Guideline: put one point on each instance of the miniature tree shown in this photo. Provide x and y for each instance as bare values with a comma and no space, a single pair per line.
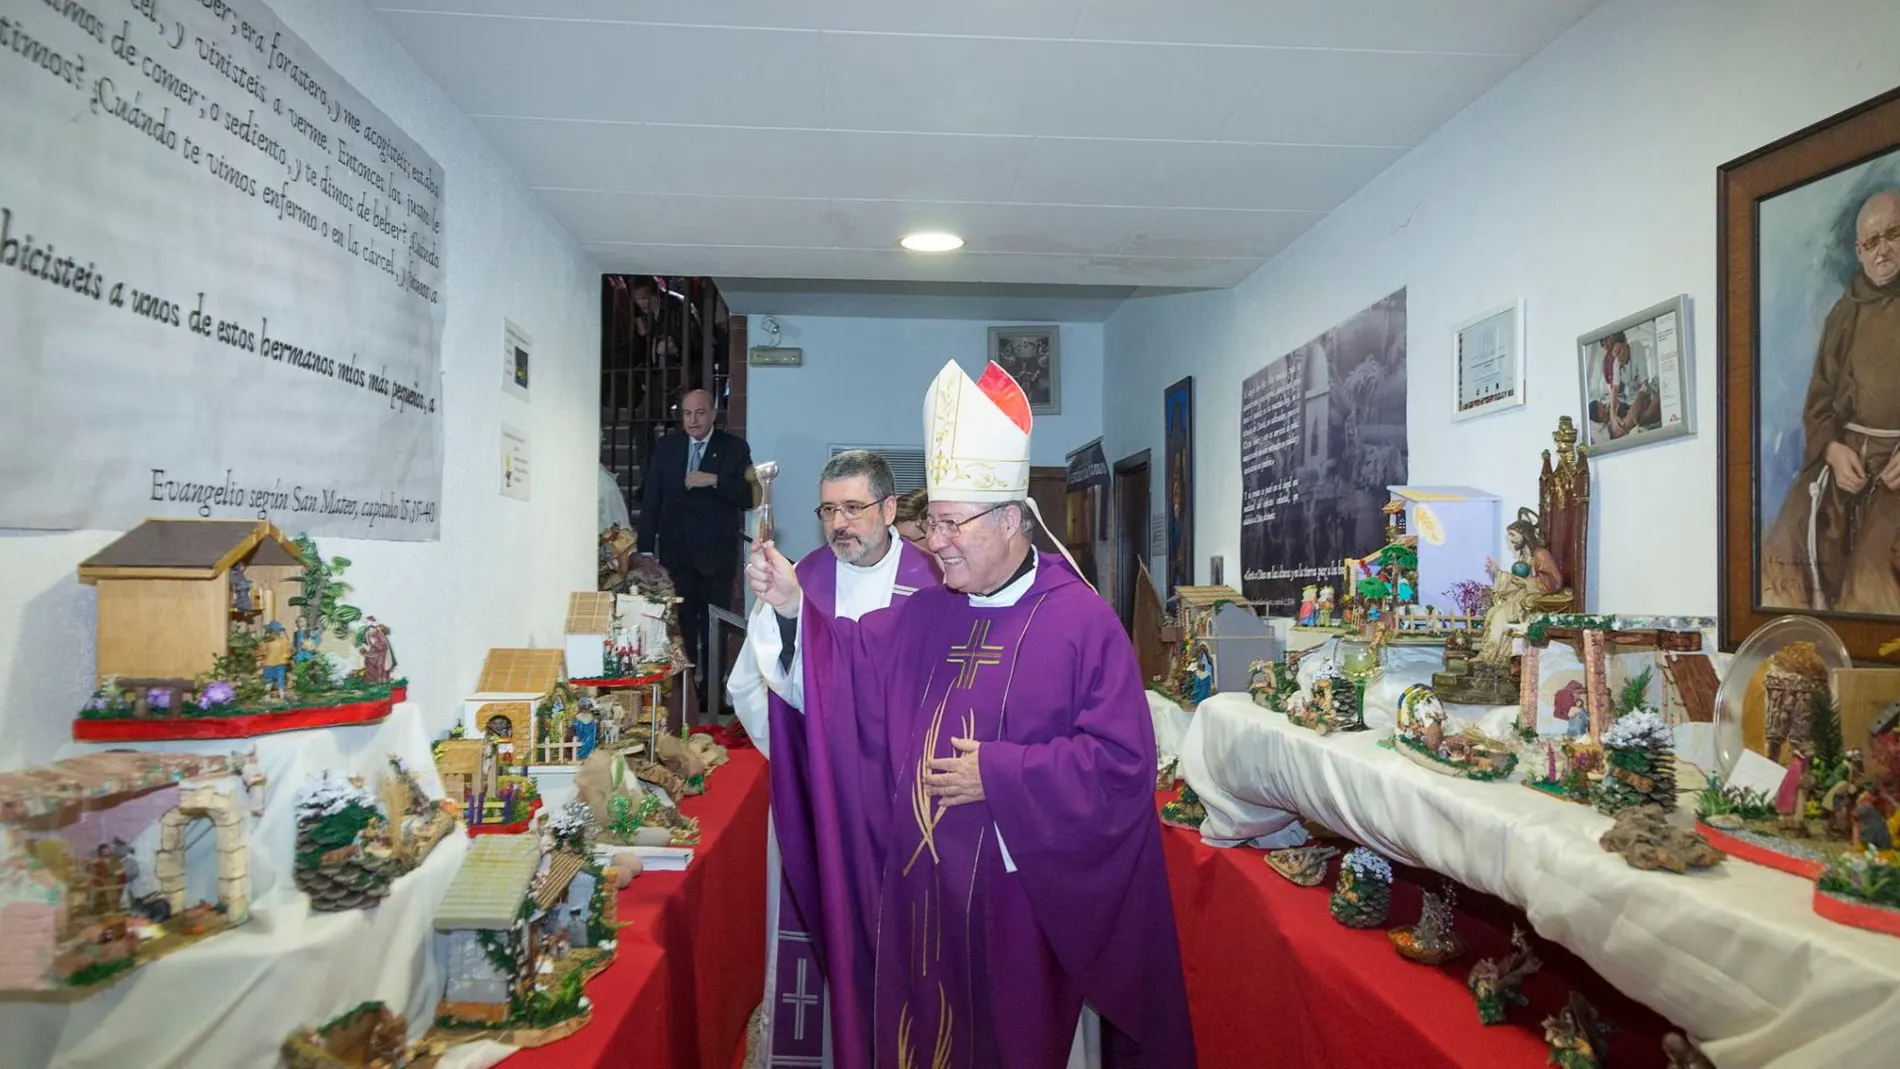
1364,891
323,590
573,829
1825,735
1640,764
1472,598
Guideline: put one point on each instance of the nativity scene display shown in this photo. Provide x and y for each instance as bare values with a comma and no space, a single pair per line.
353,843
528,920
111,860
227,629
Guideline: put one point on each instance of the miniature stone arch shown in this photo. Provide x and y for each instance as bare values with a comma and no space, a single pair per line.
227,824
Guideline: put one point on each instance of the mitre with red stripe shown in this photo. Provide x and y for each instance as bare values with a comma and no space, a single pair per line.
976,437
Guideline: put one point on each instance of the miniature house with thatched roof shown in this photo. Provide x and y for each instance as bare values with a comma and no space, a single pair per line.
512,686
171,590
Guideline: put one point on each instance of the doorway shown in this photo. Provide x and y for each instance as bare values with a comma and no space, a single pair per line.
1131,532
1049,489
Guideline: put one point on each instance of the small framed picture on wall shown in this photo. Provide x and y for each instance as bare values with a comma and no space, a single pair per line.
1487,363
1033,357
1635,377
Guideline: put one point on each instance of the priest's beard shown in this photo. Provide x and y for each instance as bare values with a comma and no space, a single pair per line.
856,551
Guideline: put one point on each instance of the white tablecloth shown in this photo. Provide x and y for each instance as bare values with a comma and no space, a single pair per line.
230,1000
1734,955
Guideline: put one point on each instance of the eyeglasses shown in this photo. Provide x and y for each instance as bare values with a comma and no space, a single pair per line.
953,528
851,510
1891,236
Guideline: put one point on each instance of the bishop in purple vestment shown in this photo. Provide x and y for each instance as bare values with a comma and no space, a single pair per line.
988,857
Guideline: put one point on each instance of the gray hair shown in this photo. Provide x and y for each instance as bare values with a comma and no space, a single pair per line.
1027,518
855,462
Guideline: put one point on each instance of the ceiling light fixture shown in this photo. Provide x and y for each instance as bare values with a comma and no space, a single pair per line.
931,241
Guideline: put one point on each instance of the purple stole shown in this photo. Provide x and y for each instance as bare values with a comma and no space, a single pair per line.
801,792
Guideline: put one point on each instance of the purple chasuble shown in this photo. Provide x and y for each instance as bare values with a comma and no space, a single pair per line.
975,966
804,784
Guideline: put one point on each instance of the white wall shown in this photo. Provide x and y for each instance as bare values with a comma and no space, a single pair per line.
502,570
1585,184
863,383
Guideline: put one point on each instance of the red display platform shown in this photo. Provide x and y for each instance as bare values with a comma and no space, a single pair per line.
691,961
155,728
1273,980
615,682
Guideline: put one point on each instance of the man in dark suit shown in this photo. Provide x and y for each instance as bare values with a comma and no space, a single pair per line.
692,507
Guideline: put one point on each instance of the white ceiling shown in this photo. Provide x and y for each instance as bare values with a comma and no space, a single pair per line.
1106,143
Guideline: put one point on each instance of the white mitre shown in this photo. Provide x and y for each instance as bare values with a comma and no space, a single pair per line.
976,437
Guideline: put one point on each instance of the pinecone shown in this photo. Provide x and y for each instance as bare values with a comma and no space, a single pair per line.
334,884
1640,765
1364,891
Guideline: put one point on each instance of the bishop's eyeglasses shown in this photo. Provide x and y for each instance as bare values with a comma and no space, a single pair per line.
953,528
850,510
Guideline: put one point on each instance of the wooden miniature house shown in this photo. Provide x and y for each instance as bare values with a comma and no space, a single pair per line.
513,684
169,595
466,767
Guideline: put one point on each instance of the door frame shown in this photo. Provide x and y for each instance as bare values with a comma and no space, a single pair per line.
1127,557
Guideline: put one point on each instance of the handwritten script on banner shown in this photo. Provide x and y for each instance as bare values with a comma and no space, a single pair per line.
221,272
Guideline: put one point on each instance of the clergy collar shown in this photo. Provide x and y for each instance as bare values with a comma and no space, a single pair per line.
1011,592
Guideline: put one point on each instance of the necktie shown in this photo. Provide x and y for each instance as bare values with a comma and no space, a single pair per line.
692,461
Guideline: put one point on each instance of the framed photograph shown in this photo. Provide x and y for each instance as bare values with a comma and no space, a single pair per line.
1637,379
1487,363
1033,356
515,347
1177,421
1808,233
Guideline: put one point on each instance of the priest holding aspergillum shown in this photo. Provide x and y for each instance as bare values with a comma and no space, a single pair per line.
980,779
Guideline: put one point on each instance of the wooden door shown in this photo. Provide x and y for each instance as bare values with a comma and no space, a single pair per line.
1131,532
1049,488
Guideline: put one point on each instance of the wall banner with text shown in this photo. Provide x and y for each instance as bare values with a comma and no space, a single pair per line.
1322,435
220,275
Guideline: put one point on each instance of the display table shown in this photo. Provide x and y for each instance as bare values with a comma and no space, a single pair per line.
1734,955
1274,981
691,960
231,1000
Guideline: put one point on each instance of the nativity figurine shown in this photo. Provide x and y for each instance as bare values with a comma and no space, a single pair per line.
1304,866
1430,736
1498,983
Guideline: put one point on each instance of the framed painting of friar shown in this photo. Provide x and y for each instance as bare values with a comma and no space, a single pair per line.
1809,320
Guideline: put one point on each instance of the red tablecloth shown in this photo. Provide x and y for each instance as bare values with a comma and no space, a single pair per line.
691,961
1273,980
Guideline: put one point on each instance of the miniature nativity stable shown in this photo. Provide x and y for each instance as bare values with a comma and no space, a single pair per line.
526,922
213,629
520,701
95,876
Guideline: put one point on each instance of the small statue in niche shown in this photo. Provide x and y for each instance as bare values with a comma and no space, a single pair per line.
1514,591
242,603
1326,606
